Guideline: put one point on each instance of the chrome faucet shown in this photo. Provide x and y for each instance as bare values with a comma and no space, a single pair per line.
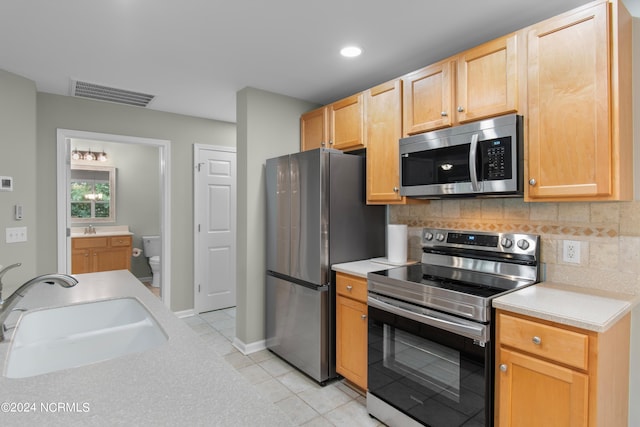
90,229
7,306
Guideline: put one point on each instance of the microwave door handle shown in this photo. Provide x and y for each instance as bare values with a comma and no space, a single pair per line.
473,154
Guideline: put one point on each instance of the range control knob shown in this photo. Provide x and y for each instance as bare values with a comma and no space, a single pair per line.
440,237
523,244
428,236
506,242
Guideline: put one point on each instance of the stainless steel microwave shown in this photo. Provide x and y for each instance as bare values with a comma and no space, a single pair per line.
479,159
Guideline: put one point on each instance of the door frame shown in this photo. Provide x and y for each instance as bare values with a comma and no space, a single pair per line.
196,209
63,160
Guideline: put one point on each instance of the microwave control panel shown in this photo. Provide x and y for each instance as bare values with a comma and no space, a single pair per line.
496,158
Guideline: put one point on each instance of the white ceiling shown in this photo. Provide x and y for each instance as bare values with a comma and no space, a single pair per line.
194,55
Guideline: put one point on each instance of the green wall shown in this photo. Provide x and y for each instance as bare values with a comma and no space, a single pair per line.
268,126
17,157
56,111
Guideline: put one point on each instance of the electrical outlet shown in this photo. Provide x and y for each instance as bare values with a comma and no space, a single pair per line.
16,234
571,251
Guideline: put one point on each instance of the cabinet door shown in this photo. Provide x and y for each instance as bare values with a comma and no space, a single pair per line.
80,261
569,106
487,83
313,129
351,340
383,113
111,259
346,123
533,393
427,97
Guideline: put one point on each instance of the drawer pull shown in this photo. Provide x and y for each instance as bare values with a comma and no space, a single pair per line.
349,287
363,316
503,367
536,340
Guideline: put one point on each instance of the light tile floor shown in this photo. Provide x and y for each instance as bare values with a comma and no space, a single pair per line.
302,399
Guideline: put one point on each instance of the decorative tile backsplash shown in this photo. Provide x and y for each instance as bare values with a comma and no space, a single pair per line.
608,234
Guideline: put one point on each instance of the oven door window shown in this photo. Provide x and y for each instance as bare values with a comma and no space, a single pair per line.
433,376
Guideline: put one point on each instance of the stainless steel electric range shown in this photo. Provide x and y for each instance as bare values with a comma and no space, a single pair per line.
430,331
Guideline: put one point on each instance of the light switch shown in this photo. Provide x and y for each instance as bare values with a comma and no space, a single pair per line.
16,234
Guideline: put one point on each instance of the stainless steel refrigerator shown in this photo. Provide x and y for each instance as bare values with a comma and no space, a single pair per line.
316,217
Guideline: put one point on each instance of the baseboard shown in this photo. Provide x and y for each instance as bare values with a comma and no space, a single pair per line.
185,313
249,348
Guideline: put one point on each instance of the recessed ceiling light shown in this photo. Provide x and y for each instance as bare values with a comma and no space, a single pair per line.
350,51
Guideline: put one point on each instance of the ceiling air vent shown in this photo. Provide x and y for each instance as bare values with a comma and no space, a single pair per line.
106,93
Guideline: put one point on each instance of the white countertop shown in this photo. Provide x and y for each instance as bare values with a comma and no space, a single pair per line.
584,308
182,382
102,230
363,267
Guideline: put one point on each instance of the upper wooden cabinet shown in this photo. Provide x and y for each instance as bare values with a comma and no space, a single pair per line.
478,83
383,112
579,106
339,125
313,129
428,98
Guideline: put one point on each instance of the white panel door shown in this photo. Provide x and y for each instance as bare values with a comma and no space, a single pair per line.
215,219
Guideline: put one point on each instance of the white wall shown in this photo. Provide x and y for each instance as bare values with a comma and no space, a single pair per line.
268,126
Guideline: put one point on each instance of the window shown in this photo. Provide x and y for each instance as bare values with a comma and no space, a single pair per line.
92,194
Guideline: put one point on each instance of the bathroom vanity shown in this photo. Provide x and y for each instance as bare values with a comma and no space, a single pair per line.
101,248
100,253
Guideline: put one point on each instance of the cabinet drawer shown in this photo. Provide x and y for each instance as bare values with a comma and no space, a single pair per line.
554,343
351,286
89,242
117,241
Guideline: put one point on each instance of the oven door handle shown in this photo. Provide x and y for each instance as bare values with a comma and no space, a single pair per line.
473,155
471,330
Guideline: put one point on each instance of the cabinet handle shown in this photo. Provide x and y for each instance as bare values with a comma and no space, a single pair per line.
331,142
396,189
460,109
503,367
363,316
536,340
322,143
532,182
443,114
349,287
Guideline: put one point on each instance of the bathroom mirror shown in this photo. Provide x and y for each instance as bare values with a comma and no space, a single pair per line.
92,193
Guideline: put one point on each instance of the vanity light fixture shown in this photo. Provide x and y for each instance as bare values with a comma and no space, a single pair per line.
350,51
88,155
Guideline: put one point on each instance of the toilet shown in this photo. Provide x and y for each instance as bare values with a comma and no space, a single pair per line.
152,247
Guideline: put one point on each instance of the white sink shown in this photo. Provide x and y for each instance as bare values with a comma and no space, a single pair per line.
53,339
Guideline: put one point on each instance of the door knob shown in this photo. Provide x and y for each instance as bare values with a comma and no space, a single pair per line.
460,109
532,182
363,316
503,367
443,114
536,340
396,189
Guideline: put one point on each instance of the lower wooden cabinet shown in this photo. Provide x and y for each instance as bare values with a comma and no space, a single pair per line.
93,254
351,328
555,375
